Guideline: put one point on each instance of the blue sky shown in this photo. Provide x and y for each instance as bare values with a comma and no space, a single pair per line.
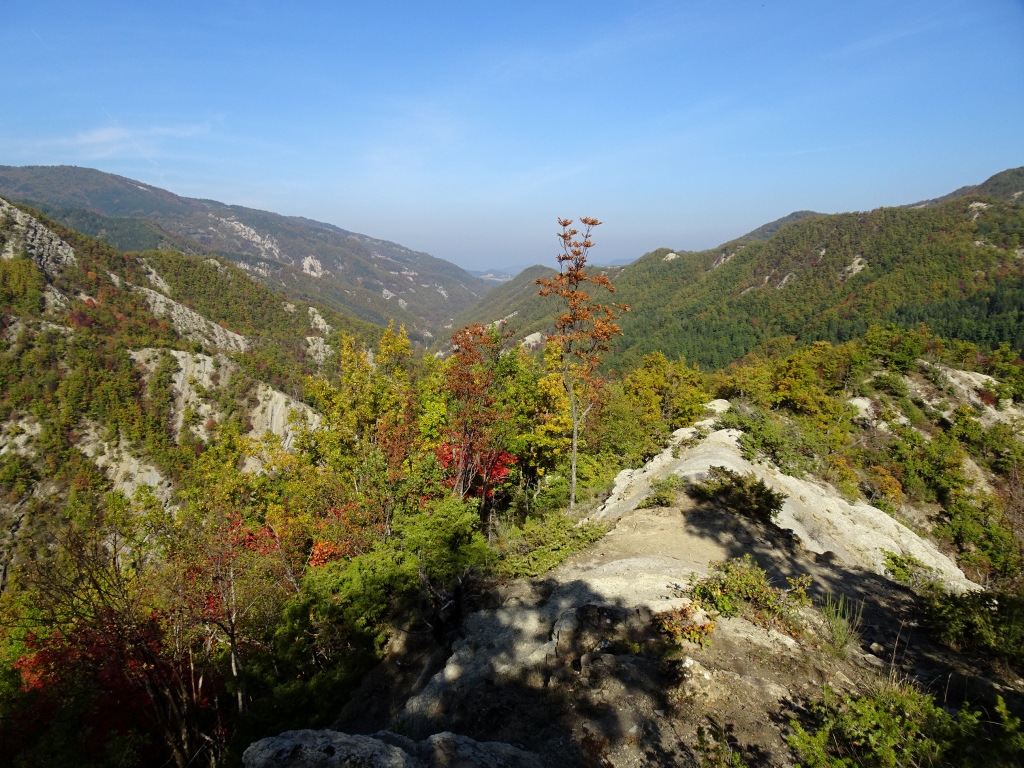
466,129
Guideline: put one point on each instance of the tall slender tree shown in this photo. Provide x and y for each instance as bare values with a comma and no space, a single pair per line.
583,330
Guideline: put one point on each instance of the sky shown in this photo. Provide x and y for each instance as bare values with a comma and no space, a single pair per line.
466,129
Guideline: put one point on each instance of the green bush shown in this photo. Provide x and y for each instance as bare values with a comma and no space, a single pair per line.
740,587
895,725
543,543
745,493
663,492
768,435
891,383
17,475
907,570
990,624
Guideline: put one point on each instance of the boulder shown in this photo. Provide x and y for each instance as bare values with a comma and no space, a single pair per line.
332,749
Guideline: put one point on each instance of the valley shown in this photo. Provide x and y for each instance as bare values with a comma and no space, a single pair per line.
275,493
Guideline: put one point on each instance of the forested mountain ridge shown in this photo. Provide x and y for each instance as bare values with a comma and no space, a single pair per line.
369,278
956,265
123,364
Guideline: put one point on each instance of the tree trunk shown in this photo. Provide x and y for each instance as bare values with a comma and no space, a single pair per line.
575,438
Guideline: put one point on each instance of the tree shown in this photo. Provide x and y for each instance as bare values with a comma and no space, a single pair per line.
582,331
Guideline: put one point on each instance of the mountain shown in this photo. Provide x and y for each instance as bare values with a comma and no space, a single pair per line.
765,231
375,280
956,266
129,361
1007,185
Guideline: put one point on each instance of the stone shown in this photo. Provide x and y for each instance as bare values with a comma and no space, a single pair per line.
333,749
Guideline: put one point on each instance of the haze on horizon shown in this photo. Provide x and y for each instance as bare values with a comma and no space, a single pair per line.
466,129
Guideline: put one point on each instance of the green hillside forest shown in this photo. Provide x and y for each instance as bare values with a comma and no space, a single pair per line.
954,266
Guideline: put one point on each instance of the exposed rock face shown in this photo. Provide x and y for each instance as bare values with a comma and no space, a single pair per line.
198,376
318,349
824,521
49,252
158,282
17,436
331,749
127,472
192,325
967,384
274,414
317,322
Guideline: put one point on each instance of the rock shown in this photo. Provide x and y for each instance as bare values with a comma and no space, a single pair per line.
332,749
871,661
191,325
49,252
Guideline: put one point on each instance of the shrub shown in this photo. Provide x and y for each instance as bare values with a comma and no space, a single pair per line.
715,751
908,570
745,493
767,435
543,543
891,383
894,725
740,586
986,623
678,625
663,492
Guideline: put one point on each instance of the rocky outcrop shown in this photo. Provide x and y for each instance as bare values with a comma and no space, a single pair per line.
193,326
317,322
49,252
193,387
281,415
318,349
331,749
125,471
197,376
823,521
17,436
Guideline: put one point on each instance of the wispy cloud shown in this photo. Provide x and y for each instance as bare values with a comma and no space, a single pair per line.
117,141
881,40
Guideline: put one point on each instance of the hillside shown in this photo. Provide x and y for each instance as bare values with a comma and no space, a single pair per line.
372,279
130,362
956,266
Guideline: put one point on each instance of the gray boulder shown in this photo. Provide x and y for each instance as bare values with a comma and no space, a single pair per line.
331,749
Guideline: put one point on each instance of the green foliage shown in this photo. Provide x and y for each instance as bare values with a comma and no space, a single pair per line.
679,625
740,587
663,492
746,493
715,751
17,474
767,436
893,726
907,569
977,527
989,624
891,383
21,285
841,619
543,543
445,542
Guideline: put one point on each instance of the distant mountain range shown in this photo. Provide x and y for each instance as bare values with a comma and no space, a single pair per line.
371,279
956,264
